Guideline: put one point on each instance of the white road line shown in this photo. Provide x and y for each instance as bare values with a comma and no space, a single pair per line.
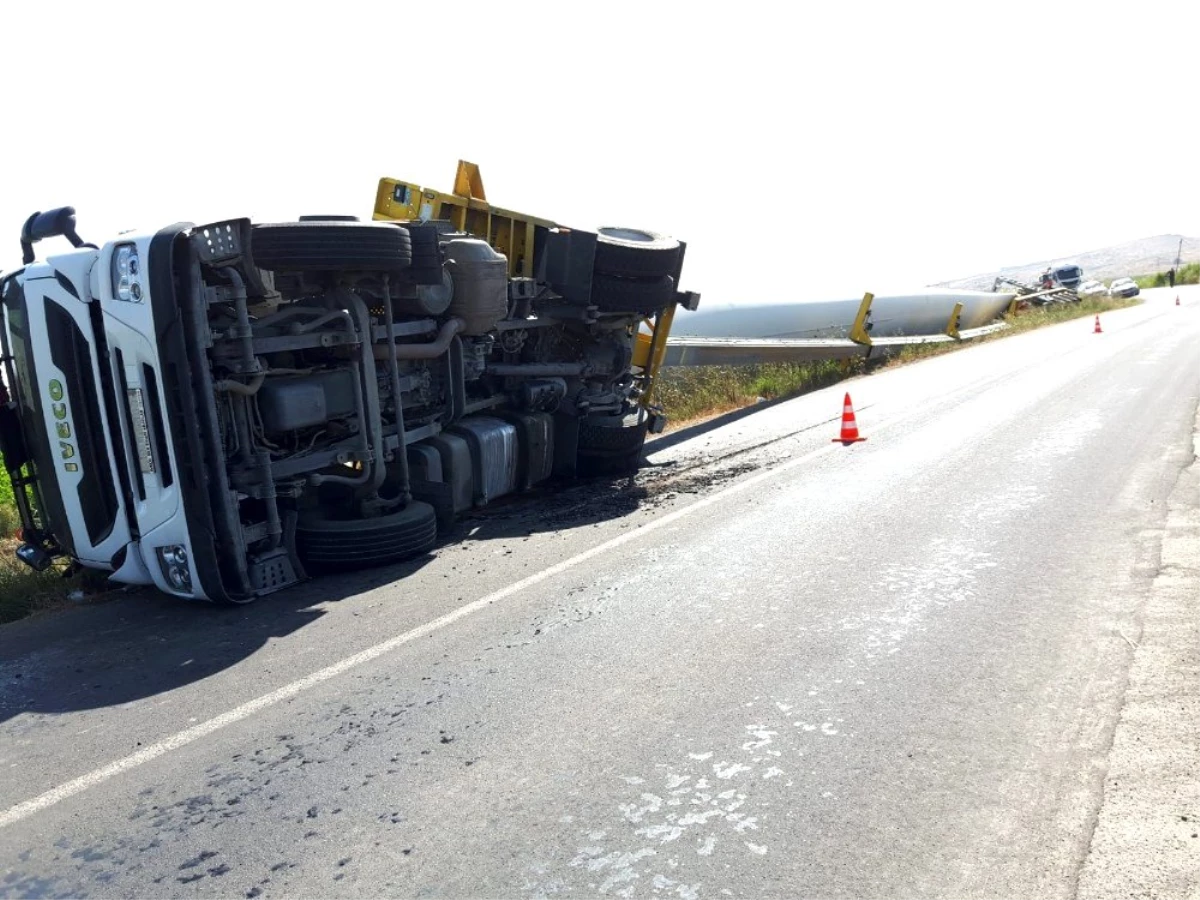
180,739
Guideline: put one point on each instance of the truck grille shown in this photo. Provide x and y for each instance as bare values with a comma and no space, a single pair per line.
72,354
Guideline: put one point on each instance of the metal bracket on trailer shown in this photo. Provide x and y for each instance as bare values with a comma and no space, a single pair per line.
859,331
468,182
952,325
660,331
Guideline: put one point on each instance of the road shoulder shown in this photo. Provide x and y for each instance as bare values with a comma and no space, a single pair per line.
1145,842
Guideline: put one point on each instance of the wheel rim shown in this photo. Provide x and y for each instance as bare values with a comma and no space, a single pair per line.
628,234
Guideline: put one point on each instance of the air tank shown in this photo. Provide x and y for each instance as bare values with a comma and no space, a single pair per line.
480,277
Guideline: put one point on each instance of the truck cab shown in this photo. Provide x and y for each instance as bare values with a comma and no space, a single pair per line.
86,439
1069,276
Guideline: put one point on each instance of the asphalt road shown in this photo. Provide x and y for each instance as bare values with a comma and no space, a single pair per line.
770,665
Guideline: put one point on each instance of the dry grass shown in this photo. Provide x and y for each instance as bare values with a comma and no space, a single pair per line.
24,591
690,394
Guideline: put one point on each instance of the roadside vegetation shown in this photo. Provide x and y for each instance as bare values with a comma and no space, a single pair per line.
688,394
22,590
1189,274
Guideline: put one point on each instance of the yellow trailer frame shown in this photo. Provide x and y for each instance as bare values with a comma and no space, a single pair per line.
511,233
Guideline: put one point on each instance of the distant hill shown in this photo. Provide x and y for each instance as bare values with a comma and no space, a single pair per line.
1142,257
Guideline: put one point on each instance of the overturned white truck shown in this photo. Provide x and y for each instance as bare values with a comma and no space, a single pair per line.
221,410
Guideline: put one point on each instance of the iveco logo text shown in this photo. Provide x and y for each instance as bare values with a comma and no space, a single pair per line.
61,426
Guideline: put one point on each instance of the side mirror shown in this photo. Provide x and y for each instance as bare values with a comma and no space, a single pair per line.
54,223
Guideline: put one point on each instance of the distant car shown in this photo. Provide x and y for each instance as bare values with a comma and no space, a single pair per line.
1091,288
1123,287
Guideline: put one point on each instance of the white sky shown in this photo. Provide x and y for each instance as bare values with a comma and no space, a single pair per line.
803,150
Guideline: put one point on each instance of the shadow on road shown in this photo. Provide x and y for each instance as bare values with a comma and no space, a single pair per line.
679,435
144,643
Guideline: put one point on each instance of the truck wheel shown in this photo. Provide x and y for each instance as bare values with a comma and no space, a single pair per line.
635,253
320,246
325,543
633,295
612,445
426,254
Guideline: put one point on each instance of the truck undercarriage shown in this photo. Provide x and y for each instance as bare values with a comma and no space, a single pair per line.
325,393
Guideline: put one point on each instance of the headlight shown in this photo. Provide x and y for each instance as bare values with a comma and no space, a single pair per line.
173,560
127,274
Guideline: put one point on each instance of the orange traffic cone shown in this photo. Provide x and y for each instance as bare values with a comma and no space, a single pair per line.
849,425
1097,329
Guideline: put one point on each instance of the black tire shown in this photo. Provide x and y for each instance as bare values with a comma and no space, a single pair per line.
329,218
635,253
611,445
325,544
331,246
426,254
636,295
